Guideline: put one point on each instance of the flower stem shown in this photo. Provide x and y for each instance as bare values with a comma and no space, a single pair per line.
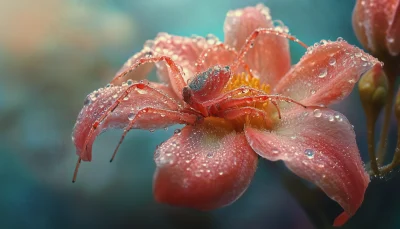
371,143
387,116
396,158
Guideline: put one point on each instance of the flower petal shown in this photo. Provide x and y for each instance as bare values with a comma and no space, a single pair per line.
375,23
141,72
393,36
219,54
269,59
184,51
100,104
326,73
318,146
204,167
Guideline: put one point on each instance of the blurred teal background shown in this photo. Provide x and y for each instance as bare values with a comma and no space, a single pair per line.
53,53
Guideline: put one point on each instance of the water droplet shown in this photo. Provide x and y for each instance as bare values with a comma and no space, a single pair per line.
131,116
87,101
126,98
309,153
317,113
323,73
275,151
313,92
359,54
339,39
210,154
221,173
331,118
157,154
177,131
129,82
323,42
332,61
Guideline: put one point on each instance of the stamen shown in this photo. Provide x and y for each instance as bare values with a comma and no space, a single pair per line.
246,79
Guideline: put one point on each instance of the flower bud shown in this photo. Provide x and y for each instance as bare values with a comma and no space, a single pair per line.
376,24
373,89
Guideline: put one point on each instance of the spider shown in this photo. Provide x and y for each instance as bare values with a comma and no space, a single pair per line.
211,92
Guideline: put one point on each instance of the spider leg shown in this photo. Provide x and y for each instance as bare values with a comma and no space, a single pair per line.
254,35
145,113
119,100
233,93
176,79
237,102
219,54
78,163
168,102
235,113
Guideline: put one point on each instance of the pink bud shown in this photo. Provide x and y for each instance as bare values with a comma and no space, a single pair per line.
377,26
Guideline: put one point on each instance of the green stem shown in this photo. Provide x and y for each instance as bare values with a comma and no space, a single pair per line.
388,113
371,142
396,158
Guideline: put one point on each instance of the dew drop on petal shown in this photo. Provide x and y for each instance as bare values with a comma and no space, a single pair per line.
177,131
87,101
210,154
331,118
275,151
197,174
323,73
332,61
309,153
317,113
157,154
131,116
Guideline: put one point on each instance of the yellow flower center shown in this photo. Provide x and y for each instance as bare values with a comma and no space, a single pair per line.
245,79
254,118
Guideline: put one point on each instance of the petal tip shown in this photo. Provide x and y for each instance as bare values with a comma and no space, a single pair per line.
341,219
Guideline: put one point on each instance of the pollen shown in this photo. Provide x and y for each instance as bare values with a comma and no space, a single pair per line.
246,79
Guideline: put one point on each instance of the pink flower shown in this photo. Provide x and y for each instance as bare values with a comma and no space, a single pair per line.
377,26
239,100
